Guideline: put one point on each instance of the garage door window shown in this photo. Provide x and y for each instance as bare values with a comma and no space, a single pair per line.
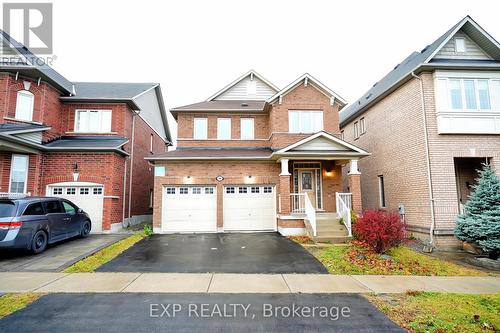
97,190
170,190
229,190
196,190
71,191
183,190
209,190
268,189
84,191
57,191
242,190
255,190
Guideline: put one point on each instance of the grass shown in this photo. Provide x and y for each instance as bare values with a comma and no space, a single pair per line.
355,260
439,313
101,257
10,303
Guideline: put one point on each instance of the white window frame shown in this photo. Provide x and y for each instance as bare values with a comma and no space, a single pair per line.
362,127
457,46
151,143
251,135
25,94
342,135
382,199
219,132
27,158
196,135
356,130
462,94
101,129
300,122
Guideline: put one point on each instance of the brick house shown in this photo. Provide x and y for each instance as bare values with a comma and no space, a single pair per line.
253,157
85,141
430,123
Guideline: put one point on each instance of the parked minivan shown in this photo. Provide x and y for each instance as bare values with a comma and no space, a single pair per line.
31,223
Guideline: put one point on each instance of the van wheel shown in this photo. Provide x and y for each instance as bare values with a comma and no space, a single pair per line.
39,242
85,229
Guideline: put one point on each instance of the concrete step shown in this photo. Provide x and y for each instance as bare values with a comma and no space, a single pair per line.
332,239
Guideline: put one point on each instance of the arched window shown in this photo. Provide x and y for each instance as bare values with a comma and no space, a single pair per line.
24,105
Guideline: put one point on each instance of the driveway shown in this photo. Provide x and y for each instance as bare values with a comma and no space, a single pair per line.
57,256
216,253
154,313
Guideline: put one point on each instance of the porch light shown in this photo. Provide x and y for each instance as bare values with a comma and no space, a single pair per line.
188,179
329,173
76,174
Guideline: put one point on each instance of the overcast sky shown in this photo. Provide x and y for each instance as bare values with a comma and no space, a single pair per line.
194,48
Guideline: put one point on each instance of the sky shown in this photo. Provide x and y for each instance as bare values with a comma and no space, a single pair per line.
195,48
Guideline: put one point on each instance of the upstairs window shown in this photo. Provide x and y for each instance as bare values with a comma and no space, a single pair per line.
224,128
247,128
305,121
93,121
469,94
460,45
342,136
24,105
362,128
200,128
356,130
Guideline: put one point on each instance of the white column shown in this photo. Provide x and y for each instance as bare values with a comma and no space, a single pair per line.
284,167
353,170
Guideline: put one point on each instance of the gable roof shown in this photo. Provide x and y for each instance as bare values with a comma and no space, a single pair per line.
424,60
308,79
250,73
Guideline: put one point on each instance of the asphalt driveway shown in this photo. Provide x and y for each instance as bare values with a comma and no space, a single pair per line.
216,253
57,256
198,313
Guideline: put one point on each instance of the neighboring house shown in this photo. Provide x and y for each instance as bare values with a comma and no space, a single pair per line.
84,141
253,157
430,124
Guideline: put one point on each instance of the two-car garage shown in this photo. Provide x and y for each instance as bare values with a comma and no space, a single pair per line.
193,209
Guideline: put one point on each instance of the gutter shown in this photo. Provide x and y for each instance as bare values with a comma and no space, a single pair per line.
428,161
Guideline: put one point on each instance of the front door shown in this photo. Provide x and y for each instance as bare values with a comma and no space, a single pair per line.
307,185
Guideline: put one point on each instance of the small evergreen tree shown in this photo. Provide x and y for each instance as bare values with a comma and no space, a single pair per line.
480,222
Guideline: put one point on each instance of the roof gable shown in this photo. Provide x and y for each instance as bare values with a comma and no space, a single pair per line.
322,141
308,79
249,86
472,50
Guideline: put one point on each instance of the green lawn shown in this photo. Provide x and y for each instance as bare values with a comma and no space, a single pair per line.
10,303
101,257
354,259
440,313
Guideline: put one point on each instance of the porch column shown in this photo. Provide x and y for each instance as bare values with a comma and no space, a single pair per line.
354,178
284,194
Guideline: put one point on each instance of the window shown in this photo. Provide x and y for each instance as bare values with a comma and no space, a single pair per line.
255,189
18,174
53,207
484,94
84,191
34,209
151,143
97,190
381,191
247,128
243,190
268,189
342,136
362,128
209,190
183,190
69,208
356,130
71,191
170,190
196,190
24,105
305,121
57,191
229,190
455,94
224,128
200,128
459,45
93,121
469,94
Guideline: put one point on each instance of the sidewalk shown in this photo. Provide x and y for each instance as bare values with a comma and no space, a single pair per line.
240,283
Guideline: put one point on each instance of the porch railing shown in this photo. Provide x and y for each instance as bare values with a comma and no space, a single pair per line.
344,206
302,204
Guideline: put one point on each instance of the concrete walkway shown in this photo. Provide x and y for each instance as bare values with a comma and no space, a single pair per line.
239,283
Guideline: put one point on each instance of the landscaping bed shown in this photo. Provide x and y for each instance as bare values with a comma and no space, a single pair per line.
440,313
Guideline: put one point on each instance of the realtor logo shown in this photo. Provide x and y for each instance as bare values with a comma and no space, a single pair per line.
29,24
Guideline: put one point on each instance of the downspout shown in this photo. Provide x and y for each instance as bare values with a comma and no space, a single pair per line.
131,164
124,190
428,161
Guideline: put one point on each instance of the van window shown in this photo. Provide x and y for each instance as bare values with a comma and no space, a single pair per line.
7,208
53,207
69,208
34,209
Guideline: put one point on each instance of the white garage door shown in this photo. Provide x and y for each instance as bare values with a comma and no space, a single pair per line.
249,208
87,196
189,209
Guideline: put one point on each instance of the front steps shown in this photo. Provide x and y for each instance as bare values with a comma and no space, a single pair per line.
328,229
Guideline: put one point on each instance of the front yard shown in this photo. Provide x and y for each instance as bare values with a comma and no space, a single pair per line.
354,259
440,313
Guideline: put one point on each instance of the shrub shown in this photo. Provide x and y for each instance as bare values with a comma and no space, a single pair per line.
148,231
480,222
380,230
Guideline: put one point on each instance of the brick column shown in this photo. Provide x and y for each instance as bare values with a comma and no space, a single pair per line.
354,179
284,188
220,209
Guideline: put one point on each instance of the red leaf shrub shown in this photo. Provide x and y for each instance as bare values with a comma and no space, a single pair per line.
380,230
